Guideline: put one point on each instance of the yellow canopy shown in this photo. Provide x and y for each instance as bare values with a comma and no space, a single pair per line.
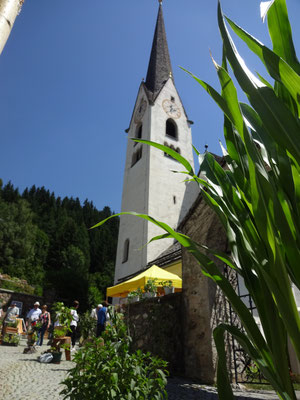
154,272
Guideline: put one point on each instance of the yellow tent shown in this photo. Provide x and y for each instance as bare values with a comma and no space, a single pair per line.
154,272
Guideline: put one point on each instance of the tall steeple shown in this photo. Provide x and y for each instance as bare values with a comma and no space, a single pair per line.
150,185
159,68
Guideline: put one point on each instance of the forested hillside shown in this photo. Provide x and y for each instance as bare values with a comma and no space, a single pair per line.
45,240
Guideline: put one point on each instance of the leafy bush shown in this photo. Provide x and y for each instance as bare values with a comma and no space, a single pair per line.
87,325
16,284
105,369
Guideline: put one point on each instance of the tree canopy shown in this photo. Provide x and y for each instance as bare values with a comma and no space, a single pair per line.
46,240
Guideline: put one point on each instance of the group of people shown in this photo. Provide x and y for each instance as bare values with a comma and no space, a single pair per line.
41,316
100,314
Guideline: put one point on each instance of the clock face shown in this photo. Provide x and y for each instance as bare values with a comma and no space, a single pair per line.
140,110
171,108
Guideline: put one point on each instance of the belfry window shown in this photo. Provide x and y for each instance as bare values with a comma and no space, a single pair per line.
125,251
171,129
138,133
137,155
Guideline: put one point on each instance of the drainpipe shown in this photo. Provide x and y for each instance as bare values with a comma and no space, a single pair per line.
9,9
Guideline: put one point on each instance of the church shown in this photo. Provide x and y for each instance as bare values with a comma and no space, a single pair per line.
152,187
150,184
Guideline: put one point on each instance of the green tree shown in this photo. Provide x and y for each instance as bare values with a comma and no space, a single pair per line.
18,237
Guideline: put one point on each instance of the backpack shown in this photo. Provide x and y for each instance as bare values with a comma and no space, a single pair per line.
46,358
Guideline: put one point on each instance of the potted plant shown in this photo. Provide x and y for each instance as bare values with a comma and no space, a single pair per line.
10,327
10,340
32,333
150,288
168,286
59,343
63,317
135,295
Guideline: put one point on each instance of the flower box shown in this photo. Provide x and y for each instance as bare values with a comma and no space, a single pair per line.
9,344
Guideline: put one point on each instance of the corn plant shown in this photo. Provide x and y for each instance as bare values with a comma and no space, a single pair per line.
257,197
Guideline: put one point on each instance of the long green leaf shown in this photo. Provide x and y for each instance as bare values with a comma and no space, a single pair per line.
276,66
281,33
277,118
252,352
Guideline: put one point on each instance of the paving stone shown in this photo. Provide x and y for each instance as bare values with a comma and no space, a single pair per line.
22,377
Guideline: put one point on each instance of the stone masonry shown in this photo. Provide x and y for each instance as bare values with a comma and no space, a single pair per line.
203,303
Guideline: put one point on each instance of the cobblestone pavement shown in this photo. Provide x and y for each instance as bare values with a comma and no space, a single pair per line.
22,377
183,389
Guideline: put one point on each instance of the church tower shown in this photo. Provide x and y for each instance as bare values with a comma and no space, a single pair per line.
150,186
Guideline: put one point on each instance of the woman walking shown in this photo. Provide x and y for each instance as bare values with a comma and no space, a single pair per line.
45,320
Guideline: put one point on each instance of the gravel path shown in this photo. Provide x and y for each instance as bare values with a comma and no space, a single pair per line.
22,377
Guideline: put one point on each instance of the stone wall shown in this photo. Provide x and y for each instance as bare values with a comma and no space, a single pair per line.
7,296
156,326
203,303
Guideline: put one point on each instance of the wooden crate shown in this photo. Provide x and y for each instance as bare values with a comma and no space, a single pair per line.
9,330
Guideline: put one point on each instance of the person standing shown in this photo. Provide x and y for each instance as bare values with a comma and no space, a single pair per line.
73,325
94,313
45,320
101,319
33,315
12,313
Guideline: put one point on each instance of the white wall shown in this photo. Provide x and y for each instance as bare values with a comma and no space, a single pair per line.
150,186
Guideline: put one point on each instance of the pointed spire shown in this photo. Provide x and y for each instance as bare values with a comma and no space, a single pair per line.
159,68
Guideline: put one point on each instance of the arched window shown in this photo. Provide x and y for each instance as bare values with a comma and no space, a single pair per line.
125,251
171,128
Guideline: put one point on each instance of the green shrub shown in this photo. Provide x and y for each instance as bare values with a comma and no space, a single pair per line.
106,369
87,325
16,285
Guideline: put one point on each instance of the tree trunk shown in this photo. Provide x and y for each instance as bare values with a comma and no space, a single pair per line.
9,10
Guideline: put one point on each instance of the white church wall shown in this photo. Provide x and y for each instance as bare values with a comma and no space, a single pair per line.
167,188
134,198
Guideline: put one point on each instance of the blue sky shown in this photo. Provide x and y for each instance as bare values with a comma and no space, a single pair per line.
69,76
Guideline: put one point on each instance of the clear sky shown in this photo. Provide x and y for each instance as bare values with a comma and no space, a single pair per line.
69,77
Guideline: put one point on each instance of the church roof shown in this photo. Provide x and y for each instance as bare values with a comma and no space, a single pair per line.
159,68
